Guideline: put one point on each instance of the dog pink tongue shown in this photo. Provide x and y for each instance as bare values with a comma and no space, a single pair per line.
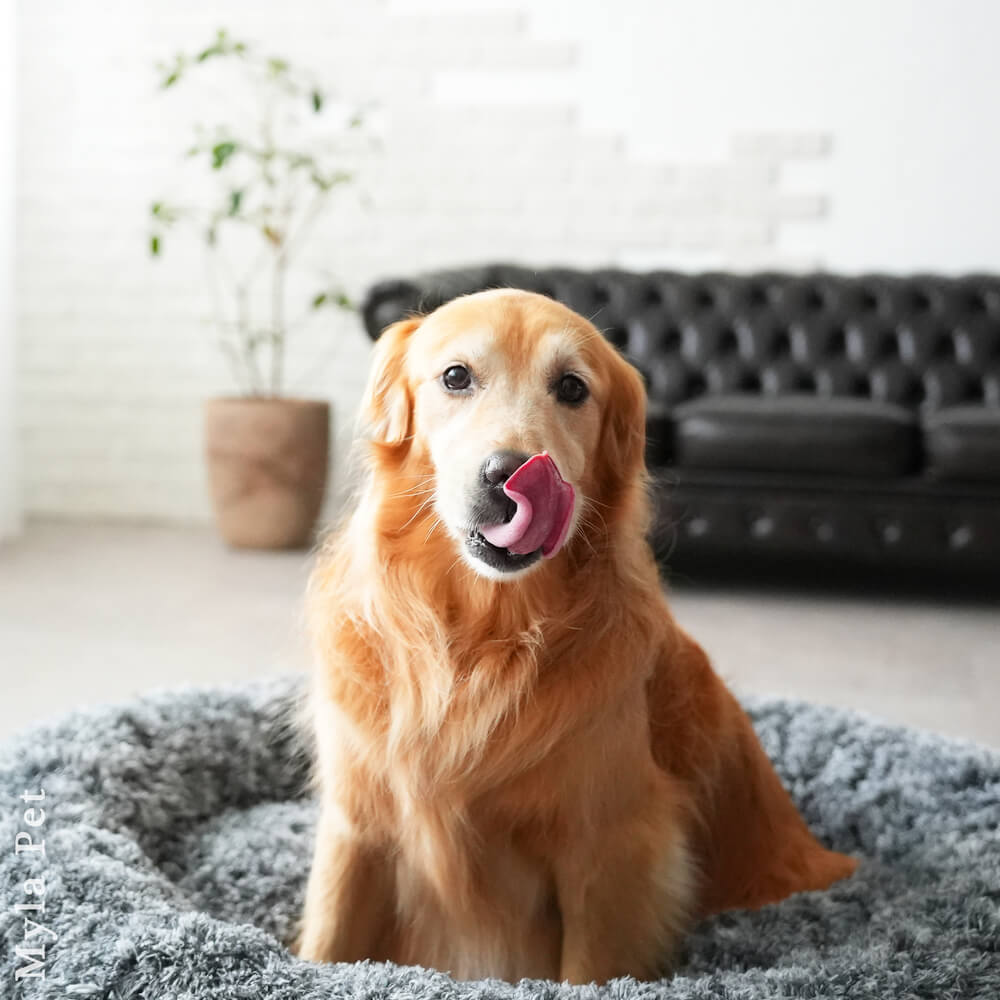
544,509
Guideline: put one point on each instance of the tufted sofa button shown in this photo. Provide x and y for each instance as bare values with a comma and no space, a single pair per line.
697,527
652,297
814,300
836,345
761,525
781,344
868,301
944,347
861,386
890,531
889,346
696,385
600,296
822,529
976,304
960,536
671,340
703,298
618,336
729,341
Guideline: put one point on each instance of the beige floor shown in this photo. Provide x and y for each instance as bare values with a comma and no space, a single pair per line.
95,612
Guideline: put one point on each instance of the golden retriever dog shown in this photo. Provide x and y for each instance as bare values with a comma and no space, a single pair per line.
526,768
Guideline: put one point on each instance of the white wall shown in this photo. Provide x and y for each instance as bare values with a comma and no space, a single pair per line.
719,134
9,487
909,91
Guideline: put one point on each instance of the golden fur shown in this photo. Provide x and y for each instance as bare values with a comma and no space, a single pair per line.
539,776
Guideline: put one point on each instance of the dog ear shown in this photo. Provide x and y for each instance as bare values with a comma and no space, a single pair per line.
387,404
623,435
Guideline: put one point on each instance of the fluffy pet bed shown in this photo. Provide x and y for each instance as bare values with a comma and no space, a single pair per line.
177,842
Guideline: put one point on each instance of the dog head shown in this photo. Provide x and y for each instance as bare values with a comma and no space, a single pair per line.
514,411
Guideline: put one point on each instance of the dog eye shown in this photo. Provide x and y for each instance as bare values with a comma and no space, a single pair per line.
456,378
571,389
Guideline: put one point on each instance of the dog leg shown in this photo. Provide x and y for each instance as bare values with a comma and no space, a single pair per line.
350,900
623,913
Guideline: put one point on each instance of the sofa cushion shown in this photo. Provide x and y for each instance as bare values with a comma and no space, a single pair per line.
796,434
963,442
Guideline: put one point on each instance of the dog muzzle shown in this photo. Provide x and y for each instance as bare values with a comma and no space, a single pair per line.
544,508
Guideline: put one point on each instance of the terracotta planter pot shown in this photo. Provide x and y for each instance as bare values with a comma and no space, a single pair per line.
267,463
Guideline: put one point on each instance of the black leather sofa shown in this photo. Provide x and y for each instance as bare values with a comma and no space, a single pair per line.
819,420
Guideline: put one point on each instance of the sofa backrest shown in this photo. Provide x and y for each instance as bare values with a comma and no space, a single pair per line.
924,341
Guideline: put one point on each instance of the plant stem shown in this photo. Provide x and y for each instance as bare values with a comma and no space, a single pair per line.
229,352
278,320
247,338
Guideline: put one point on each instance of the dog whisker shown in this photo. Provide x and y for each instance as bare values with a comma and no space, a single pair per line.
458,559
436,522
423,506
410,493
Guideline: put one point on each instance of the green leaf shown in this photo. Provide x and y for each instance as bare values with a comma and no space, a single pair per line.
235,199
326,181
156,208
173,71
221,152
355,122
332,298
154,245
317,101
277,66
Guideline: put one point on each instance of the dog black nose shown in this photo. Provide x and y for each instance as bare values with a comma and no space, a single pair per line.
501,465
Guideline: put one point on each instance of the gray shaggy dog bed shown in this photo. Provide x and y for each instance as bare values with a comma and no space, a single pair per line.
177,841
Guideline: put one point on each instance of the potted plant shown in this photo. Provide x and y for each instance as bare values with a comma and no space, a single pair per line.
267,180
